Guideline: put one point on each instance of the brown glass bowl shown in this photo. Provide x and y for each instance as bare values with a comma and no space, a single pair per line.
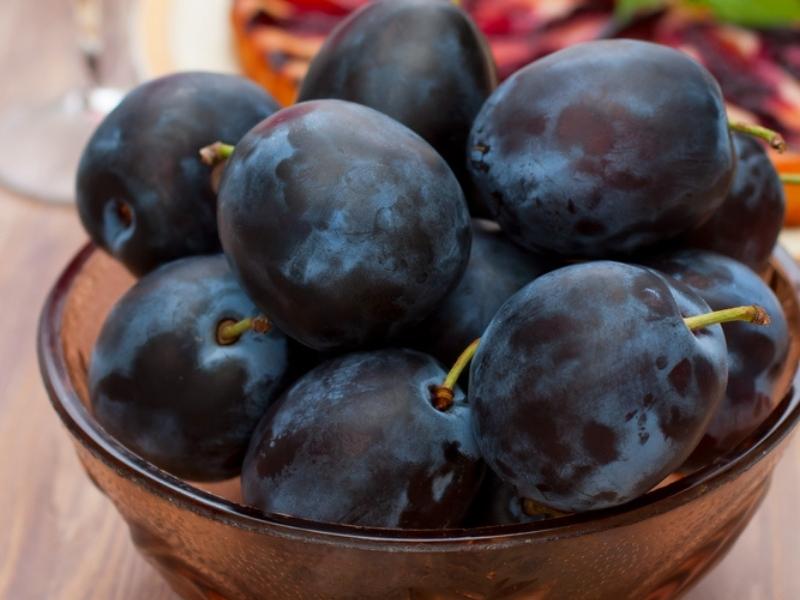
207,545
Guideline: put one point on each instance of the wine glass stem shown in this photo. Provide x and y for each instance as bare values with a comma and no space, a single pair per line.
88,19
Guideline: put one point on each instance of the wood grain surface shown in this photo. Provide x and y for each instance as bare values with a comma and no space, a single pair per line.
59,537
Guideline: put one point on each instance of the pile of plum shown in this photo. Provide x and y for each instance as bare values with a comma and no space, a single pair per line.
305,272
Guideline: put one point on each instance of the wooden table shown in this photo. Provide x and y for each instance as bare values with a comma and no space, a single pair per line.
61,539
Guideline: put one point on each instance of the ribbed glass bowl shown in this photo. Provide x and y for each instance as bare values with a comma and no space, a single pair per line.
208,545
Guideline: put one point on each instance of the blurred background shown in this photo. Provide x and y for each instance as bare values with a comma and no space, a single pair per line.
65,63
95,50
64,81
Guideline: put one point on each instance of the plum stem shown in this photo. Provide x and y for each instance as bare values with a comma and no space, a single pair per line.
773,138
750,314
443,394
124,212
790,178
215,153
229,331
533,508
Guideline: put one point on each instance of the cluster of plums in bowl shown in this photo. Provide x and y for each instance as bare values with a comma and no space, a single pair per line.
309,356
417,299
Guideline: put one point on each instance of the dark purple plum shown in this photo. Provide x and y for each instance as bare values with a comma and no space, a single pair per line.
358,441
162,384
747,225
757,356
343,225
588,388
422,62
143,194
497,268
499,503
595,150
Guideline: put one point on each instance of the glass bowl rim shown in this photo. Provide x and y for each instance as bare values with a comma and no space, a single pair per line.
81,425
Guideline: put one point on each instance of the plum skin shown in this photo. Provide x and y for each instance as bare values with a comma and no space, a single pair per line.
588,388
161,384
747,225
497,268
757,356
593,150
499,503
423,63
358,441
343,225
143,160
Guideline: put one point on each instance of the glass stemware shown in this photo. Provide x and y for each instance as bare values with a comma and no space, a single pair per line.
85,53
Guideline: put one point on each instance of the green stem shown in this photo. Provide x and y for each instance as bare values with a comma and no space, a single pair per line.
773,138
790,178
229,331
750,314
443,394
215,153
